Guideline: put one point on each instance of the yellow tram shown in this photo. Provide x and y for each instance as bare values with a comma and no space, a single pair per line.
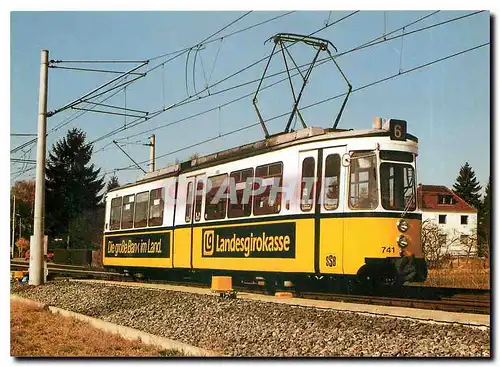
313,203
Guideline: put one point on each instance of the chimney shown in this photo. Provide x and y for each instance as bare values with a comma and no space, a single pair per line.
377,123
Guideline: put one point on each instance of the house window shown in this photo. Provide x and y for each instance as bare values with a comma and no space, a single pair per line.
464,239
442,218
464,219
446,200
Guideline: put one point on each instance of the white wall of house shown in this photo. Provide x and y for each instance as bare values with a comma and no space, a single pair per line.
453,228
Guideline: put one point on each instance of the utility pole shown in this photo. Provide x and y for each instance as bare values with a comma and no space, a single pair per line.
36,266
152,153
13,226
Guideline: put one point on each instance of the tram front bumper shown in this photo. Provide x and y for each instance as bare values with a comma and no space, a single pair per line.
408,268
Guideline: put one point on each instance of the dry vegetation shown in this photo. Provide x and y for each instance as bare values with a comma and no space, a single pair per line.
461,273
448,270
35,332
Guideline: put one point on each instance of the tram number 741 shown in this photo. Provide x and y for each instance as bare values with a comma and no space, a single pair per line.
388,249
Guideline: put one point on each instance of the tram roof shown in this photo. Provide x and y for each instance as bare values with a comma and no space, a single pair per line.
278,141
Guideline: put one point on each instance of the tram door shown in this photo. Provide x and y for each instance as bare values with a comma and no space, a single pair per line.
309,169
193,209
330,210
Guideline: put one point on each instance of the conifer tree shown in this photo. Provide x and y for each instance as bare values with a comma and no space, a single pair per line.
72,185
112,183
467,186
484,227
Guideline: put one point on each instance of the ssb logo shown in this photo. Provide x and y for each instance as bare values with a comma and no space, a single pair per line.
208,243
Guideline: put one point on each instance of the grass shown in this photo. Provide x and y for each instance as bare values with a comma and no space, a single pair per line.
458,278
35,332
460,273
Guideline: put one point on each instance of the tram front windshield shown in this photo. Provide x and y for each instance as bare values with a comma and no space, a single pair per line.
397,181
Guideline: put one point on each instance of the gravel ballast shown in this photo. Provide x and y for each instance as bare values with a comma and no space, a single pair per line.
239,327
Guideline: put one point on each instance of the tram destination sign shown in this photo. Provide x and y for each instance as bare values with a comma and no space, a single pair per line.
153,245
397,129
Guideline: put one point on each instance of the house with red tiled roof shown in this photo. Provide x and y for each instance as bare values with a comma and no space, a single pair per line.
454,216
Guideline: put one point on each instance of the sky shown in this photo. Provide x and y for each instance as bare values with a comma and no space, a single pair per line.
446,104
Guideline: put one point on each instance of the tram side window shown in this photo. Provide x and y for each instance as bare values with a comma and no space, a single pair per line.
240,181
156,204
332,181
197,203
116,213
189,202
268,182
216,198
307,184
141,209
363,191
128,211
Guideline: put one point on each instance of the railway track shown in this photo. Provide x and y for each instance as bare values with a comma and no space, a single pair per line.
73,270
457,303
460,300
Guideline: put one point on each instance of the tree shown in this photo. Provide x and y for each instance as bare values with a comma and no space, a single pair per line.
484,225
72,186
467,186
466,243
434,245
112,183
22,245
24,191
86,229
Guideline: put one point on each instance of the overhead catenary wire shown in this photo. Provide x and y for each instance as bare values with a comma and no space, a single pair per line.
91,70
379,81
370,43
207,41
374,42
97,61
156,113
252,64
66,121
388,39
92,93
18,160
78,113
132,159
178,52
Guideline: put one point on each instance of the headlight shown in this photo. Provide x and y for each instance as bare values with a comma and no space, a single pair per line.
402,241
402,225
